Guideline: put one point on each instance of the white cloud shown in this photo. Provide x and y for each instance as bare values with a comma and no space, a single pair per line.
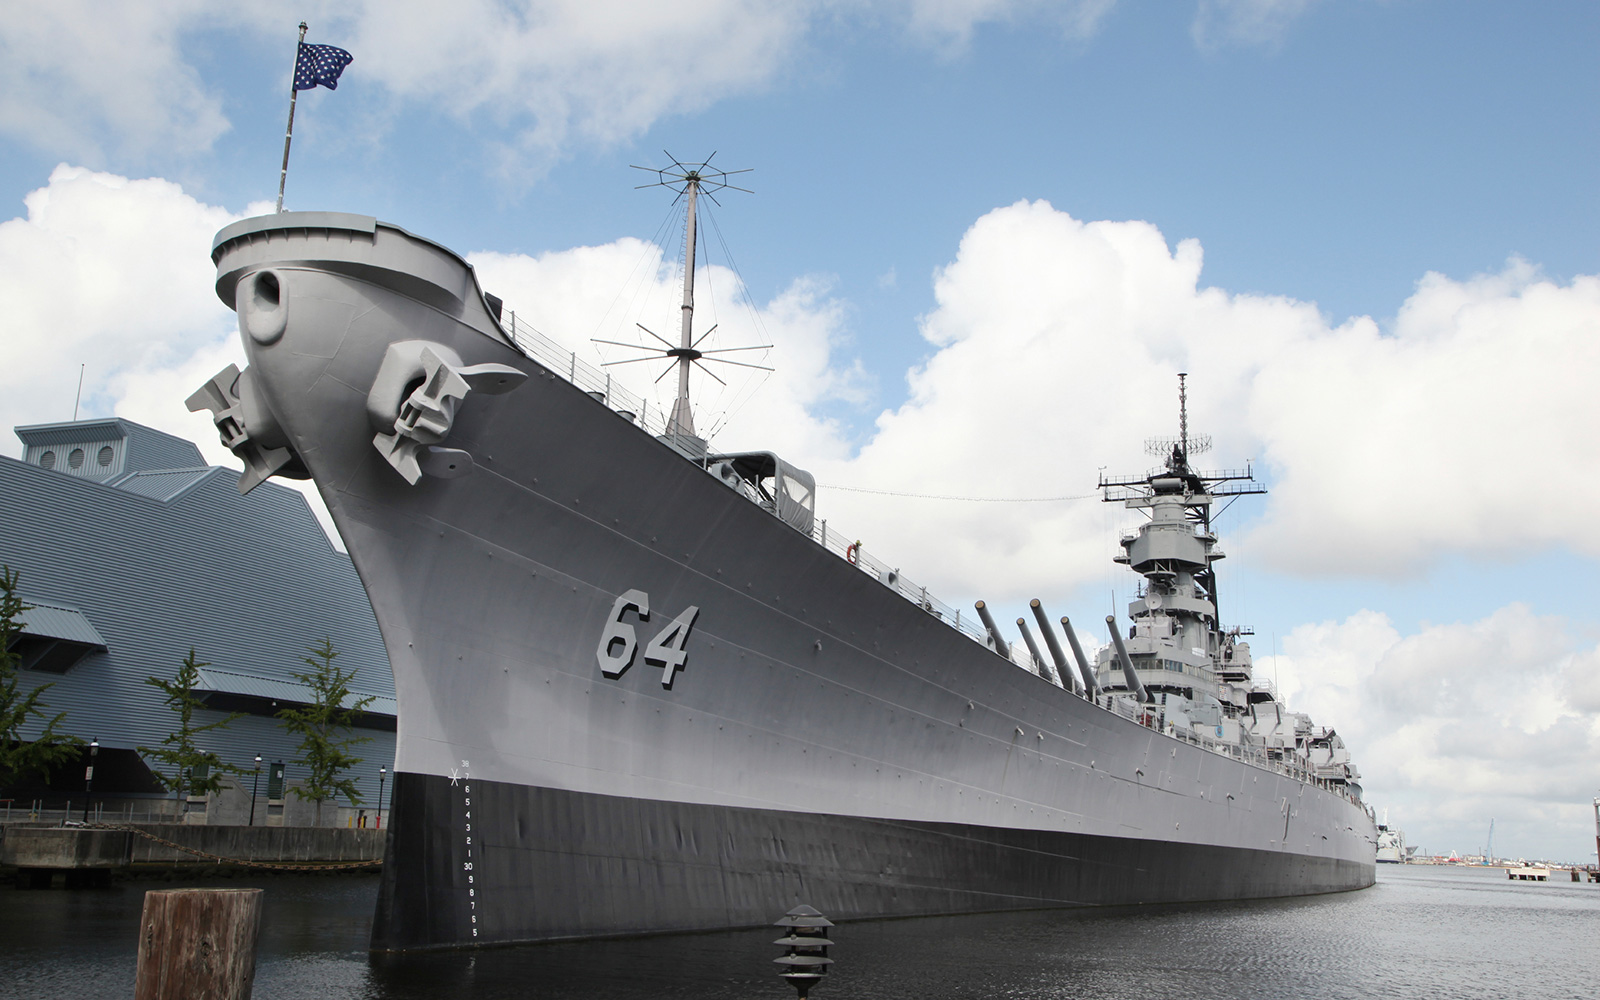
72,71
1460,724
1468,426
91,80
574,70
1055,344
113,274
135,78
1218,23
949,24
75,74
600,71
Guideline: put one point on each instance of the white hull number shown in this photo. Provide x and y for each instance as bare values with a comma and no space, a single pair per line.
619,643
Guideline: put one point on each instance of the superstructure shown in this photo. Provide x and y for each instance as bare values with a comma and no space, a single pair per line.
1178,665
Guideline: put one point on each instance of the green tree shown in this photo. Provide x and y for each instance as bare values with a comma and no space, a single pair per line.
20,756
323,726
193,771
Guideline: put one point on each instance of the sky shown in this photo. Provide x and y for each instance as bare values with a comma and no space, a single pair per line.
984,237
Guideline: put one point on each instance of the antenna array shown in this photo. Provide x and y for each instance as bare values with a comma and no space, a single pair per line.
1184,444
689,180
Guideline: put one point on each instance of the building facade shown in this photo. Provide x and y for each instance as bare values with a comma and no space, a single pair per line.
132,552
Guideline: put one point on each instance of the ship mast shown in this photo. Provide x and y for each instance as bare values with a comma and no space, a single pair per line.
681,423
690,181
1183,413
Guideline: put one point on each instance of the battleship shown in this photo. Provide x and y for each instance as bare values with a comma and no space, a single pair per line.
643,688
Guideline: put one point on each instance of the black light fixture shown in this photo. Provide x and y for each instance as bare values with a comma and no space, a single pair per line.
382,772
255,786
805,959
88,776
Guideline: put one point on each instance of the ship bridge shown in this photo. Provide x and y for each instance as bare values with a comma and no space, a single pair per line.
1175,645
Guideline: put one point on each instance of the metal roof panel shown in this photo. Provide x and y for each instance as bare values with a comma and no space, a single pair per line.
164,484
57,621
293,692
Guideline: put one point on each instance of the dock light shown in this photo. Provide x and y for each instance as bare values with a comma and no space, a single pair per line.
88,776
382,771
255,786
805,959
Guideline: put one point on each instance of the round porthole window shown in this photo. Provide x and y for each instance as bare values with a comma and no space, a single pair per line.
104,458
76,458
47,460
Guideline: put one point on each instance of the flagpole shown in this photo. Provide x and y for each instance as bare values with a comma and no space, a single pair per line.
283,173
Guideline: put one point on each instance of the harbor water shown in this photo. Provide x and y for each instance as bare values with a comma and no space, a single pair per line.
1422,931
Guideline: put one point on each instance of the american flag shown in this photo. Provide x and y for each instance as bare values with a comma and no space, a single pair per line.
320,64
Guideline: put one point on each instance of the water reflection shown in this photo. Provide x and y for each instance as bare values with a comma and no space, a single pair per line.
1421,932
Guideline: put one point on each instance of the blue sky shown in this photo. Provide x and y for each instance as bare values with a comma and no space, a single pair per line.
1424,438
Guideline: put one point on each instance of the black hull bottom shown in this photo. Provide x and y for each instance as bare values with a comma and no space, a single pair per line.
472,862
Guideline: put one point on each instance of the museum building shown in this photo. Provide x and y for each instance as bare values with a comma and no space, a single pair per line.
131,551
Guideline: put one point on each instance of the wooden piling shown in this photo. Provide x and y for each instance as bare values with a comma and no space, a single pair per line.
198,943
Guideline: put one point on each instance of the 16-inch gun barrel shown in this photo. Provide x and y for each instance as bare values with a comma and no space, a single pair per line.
1091,687
1127,664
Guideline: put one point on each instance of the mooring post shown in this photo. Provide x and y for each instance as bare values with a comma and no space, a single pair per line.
198,943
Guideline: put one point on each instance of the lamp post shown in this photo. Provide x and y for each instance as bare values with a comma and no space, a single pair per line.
255,786
88,776
805,960
382,773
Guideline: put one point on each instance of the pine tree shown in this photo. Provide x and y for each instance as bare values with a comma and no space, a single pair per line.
193,771
324,729
19,756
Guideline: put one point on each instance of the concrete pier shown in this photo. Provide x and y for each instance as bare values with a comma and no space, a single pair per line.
88,855
84,856
65,847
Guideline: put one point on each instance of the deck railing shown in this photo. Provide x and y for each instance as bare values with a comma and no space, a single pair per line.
563,362
35,812
891,577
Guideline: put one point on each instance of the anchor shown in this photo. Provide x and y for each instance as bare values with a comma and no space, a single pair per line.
411,429
247,427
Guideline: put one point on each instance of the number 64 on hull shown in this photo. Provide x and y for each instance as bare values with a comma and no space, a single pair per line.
669,647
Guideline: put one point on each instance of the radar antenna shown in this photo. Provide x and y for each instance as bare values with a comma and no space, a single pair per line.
689,180
1177,450
1183,409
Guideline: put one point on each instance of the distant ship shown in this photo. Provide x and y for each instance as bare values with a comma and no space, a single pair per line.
640,688
1392,849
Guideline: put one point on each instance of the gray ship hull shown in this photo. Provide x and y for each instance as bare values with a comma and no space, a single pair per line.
559,864
822,738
